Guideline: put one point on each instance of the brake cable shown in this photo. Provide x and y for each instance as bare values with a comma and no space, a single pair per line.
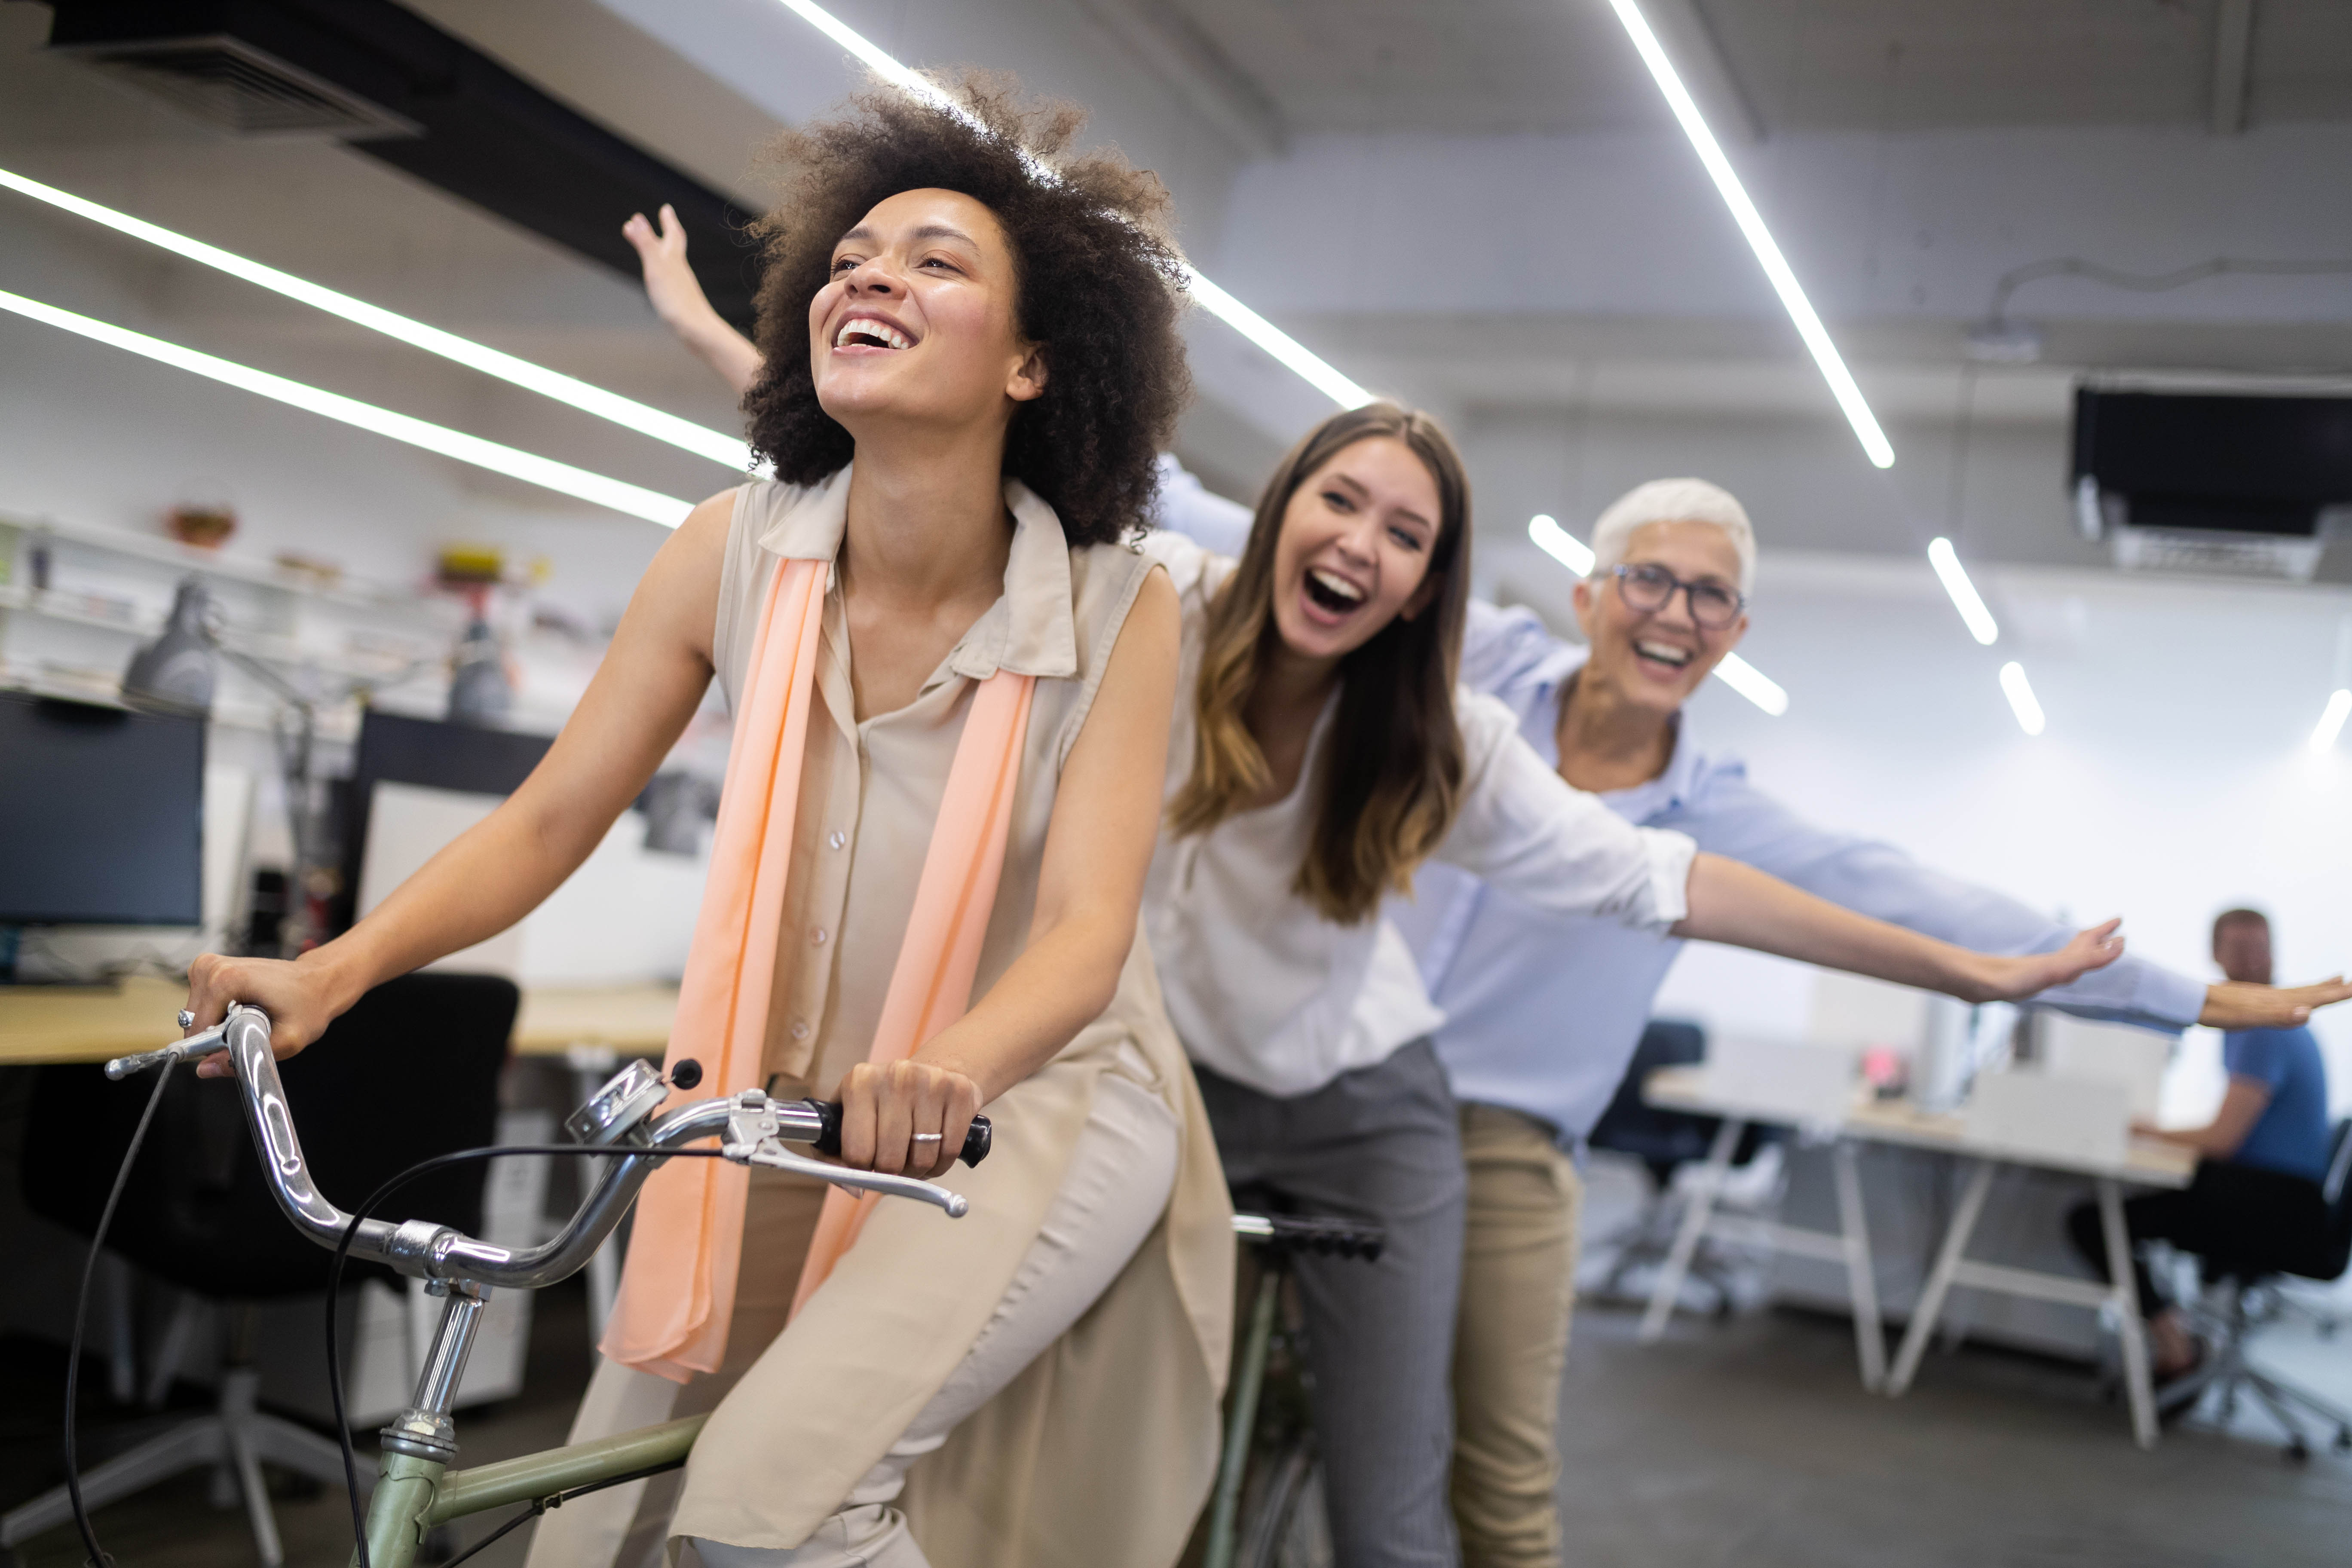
99,1556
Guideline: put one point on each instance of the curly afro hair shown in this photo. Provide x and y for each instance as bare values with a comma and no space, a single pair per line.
1100,286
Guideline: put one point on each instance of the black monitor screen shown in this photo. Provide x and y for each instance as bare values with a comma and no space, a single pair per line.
101,814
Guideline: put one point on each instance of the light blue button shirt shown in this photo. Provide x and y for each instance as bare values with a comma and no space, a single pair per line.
1543,1011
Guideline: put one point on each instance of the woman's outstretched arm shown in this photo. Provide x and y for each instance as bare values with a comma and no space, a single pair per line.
651,681
1729,902
678,298
1089,887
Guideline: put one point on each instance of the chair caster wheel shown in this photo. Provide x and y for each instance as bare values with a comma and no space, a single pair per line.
2298,1452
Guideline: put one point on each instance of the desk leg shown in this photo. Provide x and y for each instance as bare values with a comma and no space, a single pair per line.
1861,1271
591,1066
2128,1328
1940,1281
1669,1288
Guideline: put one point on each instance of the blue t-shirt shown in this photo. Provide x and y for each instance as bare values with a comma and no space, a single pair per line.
2292,1133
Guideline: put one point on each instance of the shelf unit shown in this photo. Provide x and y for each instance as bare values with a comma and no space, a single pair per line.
109,591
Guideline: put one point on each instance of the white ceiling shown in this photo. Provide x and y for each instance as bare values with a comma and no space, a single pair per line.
1480,205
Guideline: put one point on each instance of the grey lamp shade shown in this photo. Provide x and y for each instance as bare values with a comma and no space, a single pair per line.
174,673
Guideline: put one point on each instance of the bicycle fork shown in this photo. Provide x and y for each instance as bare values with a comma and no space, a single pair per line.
1243,1419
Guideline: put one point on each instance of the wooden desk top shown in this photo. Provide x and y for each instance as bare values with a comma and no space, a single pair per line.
2151,1161
78,1024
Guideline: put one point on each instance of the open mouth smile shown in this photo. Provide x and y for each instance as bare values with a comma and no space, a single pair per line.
871,335
1672,657
1332,594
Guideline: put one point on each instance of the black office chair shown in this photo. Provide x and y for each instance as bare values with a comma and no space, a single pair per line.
2244,1295
1664,1141
409,1072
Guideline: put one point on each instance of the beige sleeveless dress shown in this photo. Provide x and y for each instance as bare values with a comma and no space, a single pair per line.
1102,1451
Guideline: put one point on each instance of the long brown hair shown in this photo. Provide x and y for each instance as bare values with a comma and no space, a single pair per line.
1391,775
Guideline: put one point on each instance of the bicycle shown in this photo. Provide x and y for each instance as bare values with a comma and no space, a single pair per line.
414,1491
1267,1508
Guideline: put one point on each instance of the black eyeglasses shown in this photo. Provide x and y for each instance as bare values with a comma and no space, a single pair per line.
1653,588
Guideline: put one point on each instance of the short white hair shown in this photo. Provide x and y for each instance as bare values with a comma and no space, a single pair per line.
1674,501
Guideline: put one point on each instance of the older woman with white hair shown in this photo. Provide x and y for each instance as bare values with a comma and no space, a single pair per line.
1543,1011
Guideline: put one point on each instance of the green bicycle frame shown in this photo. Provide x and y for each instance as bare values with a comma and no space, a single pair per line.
413,1495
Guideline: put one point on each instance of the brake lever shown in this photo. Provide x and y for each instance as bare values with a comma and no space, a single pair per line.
212,1042
750,1140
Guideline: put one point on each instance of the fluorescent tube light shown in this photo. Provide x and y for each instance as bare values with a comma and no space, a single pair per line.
702,441
2331,721
1946,562
2021,698
1733,670
1760,238
667,511
1560,545
1753,684
1292,355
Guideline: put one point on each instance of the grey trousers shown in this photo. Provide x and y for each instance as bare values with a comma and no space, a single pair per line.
1382,1145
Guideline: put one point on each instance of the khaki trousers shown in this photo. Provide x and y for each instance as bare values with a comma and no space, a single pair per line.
1518,1289
1111,1198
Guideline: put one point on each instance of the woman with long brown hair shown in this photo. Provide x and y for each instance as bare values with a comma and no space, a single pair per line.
1322,753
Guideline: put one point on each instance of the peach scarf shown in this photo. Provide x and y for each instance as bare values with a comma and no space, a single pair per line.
678,1288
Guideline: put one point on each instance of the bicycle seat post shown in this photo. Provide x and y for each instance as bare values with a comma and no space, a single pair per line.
422,1441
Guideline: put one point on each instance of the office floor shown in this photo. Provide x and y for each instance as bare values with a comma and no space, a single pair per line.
1745,1442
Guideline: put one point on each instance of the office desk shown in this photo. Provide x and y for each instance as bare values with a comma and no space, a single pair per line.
90,1024
2148,1162
593,1027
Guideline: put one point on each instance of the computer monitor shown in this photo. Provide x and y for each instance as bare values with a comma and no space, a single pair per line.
101,814
396,749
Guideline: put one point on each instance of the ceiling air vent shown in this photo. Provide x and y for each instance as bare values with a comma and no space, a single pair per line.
230,84
2235,484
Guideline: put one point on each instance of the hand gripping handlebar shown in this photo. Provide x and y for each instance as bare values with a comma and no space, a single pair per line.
751,1127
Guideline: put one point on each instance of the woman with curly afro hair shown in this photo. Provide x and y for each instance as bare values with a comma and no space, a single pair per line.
953,678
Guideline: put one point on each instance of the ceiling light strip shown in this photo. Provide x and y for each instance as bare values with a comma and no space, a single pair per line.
1760,238
717,445
1965,599
2013,684
667,511
1732,669
2331,721
1290,352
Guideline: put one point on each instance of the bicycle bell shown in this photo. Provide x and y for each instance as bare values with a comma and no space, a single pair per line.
627,1099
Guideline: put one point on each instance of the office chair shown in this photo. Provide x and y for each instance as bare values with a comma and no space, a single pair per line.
409,1072
2245,1294
1667,1143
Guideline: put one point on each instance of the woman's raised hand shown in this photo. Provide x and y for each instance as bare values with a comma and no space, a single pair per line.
300,997
2236,1004
670,285
678,298
908,1118
2012,979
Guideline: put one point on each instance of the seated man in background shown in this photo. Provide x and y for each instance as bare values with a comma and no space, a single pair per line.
2261,1159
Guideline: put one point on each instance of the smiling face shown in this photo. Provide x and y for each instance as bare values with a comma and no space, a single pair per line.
1354,550
919,322
1656,658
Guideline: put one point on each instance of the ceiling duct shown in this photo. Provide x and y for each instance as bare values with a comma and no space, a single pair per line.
402,91
2226,484
230,85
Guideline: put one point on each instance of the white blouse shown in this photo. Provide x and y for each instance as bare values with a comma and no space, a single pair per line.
1262,987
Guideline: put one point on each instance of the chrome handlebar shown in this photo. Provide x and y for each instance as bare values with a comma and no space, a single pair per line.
751,1128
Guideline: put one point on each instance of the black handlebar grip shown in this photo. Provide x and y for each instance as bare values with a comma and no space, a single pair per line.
976,1139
